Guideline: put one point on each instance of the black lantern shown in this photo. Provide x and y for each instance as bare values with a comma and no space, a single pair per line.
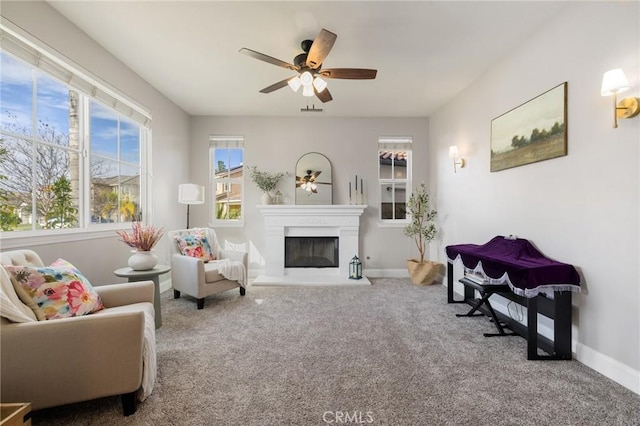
355,269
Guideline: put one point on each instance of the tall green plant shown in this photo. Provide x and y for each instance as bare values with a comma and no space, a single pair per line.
62,214
422,228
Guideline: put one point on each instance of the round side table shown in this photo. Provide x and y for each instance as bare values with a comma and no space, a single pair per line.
151,274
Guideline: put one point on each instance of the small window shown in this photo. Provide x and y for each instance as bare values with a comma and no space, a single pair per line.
394,176
226,164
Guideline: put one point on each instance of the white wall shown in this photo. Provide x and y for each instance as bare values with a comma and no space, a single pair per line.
351,145
97,258
581,209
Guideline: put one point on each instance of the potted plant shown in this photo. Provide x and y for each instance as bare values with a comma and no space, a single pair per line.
142,238
266,182
422,229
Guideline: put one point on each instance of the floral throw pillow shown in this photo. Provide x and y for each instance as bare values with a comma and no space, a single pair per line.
195,244
59,291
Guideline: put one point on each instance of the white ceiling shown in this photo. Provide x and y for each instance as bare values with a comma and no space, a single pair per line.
425,52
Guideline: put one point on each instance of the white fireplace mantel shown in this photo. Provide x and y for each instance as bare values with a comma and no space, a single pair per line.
280,221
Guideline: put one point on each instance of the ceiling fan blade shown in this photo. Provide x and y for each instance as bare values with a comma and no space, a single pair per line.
269,59
324,96
320,48
314,176
349,73
276,86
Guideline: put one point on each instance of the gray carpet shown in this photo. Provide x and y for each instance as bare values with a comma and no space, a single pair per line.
387,354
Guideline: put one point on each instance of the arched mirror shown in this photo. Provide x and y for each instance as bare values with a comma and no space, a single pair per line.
313,180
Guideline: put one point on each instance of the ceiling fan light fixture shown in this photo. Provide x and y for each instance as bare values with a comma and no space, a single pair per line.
306,78
295,83
319,84
307,90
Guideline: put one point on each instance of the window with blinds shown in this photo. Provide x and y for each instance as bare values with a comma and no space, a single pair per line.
226,154
72,149
394,177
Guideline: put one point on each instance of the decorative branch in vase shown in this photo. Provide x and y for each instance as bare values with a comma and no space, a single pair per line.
142,239
422,229
266,182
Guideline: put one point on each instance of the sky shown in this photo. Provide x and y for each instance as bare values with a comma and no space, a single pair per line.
52,107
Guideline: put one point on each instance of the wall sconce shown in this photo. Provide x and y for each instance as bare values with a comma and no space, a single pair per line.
614,82
453,153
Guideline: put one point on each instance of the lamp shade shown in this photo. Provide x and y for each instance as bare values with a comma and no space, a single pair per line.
307,90
319,84
295,83
190,193
453,151
614,81
306,78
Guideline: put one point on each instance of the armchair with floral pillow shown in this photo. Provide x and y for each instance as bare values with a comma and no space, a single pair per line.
200,267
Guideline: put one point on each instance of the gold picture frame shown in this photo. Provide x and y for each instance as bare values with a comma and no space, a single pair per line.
532,132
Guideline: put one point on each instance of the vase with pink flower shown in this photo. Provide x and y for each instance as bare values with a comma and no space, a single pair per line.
142,239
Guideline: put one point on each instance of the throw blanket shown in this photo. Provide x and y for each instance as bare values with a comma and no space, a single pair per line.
518,263
232,270
11,307
149,362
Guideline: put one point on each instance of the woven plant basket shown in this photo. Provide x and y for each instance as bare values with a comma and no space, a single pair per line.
423,273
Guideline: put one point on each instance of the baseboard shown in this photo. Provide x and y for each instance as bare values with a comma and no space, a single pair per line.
165,285
609,367
386,273
371,273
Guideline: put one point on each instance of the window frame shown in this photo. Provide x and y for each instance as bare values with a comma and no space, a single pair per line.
395,143
41,59
225,142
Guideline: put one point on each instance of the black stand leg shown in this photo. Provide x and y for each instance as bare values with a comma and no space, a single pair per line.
475,307
129,403
562,324
485,300
498,324
450,286
532,328
561,349
200,303
176,294
243,291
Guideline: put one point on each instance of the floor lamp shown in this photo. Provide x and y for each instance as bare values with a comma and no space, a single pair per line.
190,193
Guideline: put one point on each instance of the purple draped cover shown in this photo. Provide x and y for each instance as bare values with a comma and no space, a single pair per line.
517,262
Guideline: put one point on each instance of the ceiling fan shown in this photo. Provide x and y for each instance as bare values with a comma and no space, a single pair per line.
308,65
308,182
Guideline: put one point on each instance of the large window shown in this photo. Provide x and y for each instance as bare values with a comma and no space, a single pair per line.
67,160
226,154
394,176
115,166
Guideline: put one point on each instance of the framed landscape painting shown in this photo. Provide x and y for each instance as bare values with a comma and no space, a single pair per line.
531,132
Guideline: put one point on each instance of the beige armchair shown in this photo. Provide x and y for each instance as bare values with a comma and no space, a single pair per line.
61,361
199,279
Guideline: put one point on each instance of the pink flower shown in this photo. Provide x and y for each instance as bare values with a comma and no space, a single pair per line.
79,299
197,252
54,291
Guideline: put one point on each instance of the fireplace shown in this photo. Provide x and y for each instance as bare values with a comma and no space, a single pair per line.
321,241
311,252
